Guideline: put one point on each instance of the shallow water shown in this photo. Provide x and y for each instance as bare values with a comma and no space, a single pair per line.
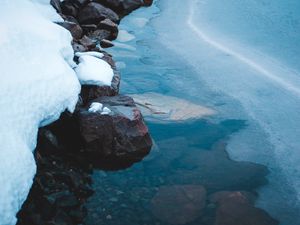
200,56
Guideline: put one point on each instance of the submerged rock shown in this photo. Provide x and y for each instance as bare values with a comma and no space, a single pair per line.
236,208
179,204
159,108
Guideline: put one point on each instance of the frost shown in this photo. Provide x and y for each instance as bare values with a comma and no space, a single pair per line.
37,84
94,71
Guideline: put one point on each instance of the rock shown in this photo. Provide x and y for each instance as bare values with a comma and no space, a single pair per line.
99,35
179,204
95,12
216,171
74,28
69,8
235,208
106,43
121,136
87,42
91,92
79,47
122,7
161,108
109,25
148,2
56,5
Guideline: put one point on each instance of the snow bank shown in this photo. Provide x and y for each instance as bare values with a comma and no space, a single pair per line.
94,71
37,84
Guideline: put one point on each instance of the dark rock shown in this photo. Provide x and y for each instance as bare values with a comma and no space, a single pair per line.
74,28
179,204
87,42
148,2
87,28
79,47
56,5
107,24
106,43
95,12
98,35
69,8
235,208
125,138
122,7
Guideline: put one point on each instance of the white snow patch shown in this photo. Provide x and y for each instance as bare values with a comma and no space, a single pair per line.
124,36
37,84
91,53
96,107
106,111
94,71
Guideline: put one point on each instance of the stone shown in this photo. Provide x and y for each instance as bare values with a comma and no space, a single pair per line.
106,43
148,2
56,5
121,136
69,8
162,108
122,7
179,204
87,42
235,208
95,12
109,25
74,28
100,34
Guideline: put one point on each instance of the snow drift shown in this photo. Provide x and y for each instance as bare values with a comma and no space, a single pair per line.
37,84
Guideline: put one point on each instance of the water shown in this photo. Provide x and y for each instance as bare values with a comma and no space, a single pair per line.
238,58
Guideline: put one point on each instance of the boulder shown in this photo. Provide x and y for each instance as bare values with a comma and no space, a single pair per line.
91,92
122,7
236,208
179,204
95,12
116,134
74,28
106,43
70,8
56,5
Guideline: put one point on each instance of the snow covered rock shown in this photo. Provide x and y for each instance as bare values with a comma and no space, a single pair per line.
93,71
37,84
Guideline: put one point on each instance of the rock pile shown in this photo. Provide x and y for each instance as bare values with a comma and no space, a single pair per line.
106,130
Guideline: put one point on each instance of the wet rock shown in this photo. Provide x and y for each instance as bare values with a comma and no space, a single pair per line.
109,25
235,208
95,12
118,136
70,8
106,43
148,2
216,171
163,108
179,204
99,35
87,42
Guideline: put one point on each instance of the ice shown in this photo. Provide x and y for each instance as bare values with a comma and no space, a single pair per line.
249,52
37,84
94,71
106,111
124,36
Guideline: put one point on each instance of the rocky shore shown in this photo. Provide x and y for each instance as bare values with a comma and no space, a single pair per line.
106,130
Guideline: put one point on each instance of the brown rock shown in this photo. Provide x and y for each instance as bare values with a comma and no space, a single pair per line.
87,42
148,2
95,12
235,208
74,28
179,204
120,136
106,43
56,5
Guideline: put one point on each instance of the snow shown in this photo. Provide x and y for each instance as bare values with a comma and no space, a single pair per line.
106,111
37,84
91,53
94,71
96,107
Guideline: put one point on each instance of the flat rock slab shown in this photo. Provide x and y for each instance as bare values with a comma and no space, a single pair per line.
163,108
179,204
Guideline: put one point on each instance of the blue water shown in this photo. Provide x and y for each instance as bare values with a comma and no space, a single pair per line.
239,58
